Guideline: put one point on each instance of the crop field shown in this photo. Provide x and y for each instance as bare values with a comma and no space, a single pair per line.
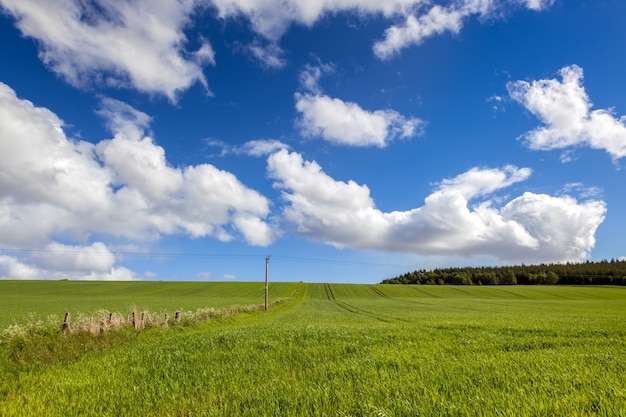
348,350
24,301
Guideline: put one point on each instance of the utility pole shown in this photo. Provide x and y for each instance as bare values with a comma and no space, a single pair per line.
267,261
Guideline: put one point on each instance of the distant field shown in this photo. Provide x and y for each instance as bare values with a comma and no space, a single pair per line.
22,301
357,350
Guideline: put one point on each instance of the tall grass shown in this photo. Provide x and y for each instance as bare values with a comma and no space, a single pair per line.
341,350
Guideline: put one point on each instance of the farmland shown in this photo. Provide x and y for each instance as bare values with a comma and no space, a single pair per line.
23,301
352,350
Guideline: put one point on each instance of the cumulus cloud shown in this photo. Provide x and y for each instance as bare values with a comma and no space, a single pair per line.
271,18
123,187
59,257
13,268
458,218
565,109
135,160
140,44
347,123
440,19
59,261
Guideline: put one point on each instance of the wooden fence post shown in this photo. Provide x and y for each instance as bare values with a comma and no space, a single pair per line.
66,328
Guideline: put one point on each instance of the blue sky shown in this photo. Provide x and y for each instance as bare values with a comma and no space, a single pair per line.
351,140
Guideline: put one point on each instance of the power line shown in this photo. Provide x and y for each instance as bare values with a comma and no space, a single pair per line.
130,253
198,255
337,261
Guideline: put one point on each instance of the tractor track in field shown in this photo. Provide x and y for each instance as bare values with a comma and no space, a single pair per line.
361,311
377,291
329,292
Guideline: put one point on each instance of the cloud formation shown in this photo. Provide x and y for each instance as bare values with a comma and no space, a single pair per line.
256,147
459,218
272,18
269,56
347,123
59,261
565,109
441,19
54,187
140,44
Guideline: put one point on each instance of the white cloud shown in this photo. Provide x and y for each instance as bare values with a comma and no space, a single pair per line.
271,18
58,261
52,186
58,257
142,44
310,76
256,147
45,179
441,19
582,190
347,123
204,276
459,218
13,268
121,43
415,29
136,160
497,102
538,4
565,109
261,147
270,56
115,274
564,228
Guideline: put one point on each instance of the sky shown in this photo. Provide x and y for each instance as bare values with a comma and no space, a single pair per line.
331,140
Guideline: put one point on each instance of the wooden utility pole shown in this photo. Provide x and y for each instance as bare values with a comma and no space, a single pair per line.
267,261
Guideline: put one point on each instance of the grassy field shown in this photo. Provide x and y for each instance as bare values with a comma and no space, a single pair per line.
24,301
353,350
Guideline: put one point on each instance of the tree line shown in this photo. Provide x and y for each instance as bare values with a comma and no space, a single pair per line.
604,272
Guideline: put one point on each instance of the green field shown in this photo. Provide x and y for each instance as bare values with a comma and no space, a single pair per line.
349,350
24,301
